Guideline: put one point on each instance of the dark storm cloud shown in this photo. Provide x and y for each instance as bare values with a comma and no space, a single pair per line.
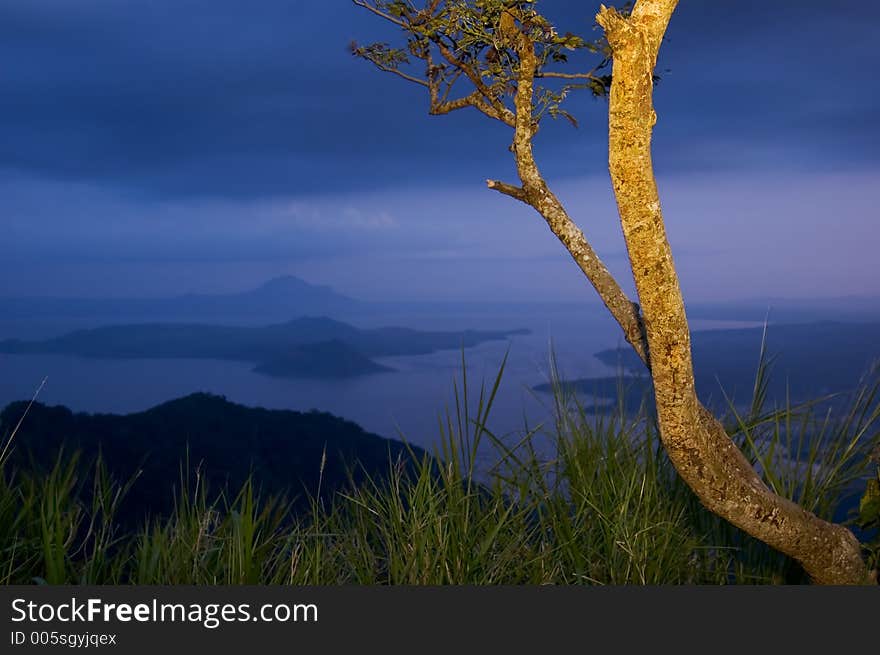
795,77
252,99
197,97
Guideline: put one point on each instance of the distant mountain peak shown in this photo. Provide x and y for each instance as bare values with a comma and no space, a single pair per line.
277,297
290,285
290,282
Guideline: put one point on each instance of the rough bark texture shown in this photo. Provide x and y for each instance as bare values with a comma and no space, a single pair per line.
697,443
535,192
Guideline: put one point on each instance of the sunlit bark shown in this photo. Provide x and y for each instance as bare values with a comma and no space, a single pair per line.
697,444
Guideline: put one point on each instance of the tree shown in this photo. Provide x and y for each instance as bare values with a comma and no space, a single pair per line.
506,53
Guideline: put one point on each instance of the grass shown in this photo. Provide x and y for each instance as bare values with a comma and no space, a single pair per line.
606,508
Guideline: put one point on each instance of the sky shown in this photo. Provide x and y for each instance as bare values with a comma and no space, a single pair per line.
163,146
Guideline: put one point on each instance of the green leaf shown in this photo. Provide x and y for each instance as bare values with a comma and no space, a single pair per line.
869,506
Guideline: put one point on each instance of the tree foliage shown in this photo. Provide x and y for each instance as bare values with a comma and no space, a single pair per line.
453,44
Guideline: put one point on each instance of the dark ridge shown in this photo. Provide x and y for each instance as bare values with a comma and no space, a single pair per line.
223,440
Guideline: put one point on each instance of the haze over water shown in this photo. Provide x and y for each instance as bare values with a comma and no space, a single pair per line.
409,399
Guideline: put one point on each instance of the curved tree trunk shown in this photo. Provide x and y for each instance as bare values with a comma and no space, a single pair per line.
699,447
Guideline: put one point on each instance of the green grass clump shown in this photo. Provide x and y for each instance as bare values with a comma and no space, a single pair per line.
591,499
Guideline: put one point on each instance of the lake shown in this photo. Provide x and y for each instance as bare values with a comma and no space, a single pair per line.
408,401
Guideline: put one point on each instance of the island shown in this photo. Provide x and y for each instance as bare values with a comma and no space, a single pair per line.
807,361
312,347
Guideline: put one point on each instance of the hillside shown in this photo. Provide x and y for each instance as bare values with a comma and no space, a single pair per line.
224,440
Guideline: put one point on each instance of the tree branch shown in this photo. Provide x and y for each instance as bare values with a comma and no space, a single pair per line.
452,105
449,86
538,195
398,72
501,112
508,190
391,19
567,76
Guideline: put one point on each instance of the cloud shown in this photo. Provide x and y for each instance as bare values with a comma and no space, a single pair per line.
226,133
733,235
309,216
189,98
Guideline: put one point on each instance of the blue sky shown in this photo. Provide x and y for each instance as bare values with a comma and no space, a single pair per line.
154,147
